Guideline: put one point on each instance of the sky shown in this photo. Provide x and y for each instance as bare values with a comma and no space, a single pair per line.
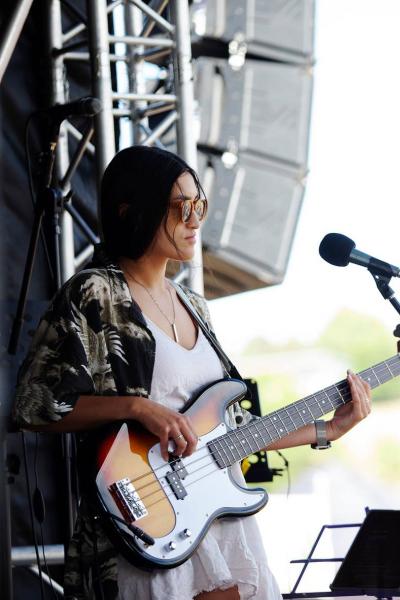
353,185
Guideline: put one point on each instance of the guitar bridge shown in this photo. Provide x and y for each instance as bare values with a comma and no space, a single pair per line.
128,500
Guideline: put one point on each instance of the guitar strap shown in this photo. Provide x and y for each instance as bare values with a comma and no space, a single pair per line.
230,368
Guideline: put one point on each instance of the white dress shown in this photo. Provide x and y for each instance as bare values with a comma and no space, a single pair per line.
232,552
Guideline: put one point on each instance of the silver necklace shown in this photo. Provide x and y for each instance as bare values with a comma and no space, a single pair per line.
171,324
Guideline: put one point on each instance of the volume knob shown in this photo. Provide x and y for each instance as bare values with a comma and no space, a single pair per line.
171,546
187,533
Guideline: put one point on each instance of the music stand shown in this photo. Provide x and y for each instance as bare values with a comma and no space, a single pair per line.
372,563
371,566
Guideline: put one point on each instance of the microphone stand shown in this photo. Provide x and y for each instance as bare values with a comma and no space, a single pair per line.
48,199
382,283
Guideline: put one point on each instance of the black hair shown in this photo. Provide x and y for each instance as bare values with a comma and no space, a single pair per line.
135,193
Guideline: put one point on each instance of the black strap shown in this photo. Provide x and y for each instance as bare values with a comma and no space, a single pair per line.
229,366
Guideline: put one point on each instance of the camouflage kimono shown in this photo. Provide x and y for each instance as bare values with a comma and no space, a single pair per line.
92,340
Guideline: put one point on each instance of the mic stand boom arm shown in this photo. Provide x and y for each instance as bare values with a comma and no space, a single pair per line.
382,283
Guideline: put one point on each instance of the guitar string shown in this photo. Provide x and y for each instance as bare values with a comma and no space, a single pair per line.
207,454
186,466
169,494
245,429
188,484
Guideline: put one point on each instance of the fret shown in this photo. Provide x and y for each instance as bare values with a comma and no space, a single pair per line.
256,438
281,431
330,397
245,450
292,410
246,441
337,397
228,448
390,370
370,378
259,433
395,363
301,406
221,445
373,370
293,423
286,419
233,448
384,373
261,422
334,397
273,427
316,409
219,459
343,393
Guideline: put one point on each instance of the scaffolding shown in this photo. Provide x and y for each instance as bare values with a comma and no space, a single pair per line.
121,40
123,37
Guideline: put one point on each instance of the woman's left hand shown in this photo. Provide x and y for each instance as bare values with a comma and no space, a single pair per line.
353,412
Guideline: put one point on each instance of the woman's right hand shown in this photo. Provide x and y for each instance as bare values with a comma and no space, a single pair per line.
167,425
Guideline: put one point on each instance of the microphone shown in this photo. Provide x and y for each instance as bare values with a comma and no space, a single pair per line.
84,107
339,250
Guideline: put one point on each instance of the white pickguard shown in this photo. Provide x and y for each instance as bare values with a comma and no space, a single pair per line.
209,489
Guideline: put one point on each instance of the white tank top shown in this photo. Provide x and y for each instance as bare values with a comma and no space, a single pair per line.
232,552
180,373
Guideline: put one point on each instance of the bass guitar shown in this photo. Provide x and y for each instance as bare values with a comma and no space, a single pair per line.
159,511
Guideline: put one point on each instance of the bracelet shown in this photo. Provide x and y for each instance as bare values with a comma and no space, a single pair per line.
320,429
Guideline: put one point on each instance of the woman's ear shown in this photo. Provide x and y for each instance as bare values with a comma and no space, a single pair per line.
122,209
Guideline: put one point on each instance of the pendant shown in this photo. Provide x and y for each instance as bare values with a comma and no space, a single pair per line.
176,337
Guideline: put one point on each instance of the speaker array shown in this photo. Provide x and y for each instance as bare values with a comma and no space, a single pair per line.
254,103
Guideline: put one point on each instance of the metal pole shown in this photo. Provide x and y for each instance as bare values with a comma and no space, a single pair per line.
186,142
101,83
12,33
67,256
6,582
52,554
62,153
134,25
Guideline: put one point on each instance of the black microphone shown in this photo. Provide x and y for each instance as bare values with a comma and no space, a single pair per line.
84,107
339,250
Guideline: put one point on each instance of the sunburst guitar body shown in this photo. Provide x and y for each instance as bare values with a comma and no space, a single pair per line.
175,502
158,512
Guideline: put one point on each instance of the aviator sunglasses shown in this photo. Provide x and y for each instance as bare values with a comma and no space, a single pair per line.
186,207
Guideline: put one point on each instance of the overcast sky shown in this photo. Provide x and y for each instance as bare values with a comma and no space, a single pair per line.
353,185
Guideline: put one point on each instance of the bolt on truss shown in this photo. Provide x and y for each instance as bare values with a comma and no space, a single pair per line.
141,71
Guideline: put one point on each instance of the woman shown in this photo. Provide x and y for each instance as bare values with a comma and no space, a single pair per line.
117,343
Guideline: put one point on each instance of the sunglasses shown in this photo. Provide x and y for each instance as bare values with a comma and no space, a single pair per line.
186,207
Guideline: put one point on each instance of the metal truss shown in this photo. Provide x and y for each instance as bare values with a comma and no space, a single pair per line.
123,40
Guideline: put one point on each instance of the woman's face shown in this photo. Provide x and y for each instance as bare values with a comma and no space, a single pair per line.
184,235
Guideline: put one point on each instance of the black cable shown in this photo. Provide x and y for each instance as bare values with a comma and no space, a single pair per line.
28,485
33,195
137,532
41,521
96,560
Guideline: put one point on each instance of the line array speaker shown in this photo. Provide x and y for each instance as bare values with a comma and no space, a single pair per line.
278,29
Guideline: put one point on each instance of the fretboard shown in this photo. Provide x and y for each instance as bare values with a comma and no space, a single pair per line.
259,433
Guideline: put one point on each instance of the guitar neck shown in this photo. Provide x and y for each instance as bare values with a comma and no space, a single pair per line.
259,433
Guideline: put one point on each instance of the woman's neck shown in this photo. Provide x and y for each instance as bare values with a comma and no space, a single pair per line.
148,272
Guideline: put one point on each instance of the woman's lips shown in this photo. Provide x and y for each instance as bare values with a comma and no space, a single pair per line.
191,239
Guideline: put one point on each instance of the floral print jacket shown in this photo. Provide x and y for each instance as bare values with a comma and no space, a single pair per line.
92,340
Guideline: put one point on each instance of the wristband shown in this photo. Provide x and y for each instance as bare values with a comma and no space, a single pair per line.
320,429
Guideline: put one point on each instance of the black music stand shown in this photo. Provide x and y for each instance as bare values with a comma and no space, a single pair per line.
371,566
372,563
